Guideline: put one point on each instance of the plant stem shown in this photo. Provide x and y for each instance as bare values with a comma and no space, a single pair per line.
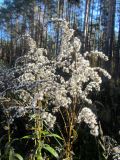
69,144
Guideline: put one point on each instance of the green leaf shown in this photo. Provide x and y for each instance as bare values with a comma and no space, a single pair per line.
7,148
14,156
54,135
18,156
11,154
51,150
13,140
28,137
48,134
45,132
38,154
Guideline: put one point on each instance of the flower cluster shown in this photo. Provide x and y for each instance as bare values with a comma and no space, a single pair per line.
49,119
100,54
38,81
96,54
86,115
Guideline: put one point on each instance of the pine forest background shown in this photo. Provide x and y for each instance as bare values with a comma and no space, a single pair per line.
96,23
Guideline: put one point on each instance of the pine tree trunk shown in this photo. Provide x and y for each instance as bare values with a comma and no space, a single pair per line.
110,28
86,23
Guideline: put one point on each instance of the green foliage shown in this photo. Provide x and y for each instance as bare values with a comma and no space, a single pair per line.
40,137
51,150
9,153
14,156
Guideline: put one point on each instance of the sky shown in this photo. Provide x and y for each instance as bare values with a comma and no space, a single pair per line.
1,1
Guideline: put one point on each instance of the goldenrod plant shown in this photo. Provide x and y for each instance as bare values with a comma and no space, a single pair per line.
42,88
